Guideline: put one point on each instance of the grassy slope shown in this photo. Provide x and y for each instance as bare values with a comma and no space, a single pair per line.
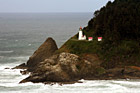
126,53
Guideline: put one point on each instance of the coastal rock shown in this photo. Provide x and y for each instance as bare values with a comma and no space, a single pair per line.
21,66
63,67
44,51
24,72
133,71
115,73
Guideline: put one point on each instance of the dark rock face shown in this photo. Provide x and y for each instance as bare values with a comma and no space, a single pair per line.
64,67
130,72
44,51
21,66
24,72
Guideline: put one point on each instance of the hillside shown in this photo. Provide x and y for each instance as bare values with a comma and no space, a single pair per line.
117,56
118,23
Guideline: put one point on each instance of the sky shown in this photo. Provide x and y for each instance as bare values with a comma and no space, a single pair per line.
51,5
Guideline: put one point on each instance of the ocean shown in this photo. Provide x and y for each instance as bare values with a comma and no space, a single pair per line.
22,33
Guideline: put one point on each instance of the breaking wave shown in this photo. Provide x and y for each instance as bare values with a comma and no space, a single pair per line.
9,82
4,52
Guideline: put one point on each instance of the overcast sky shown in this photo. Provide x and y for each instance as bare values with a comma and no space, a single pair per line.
51,5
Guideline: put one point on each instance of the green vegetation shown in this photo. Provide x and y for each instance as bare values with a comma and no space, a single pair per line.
118,23
79,47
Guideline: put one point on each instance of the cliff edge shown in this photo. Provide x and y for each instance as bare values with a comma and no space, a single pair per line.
117,56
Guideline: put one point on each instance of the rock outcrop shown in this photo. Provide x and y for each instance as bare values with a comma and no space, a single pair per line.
44,51
46,66
63,67
127,72
21,66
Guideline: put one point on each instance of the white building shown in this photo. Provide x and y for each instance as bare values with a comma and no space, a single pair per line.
81,36
99,38
90,38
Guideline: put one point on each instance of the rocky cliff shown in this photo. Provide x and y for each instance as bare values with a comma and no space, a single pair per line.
66,67
63,67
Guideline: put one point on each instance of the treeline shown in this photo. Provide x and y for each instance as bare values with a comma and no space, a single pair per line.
116,21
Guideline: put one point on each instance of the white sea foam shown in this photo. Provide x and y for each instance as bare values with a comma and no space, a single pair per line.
20,57
9,82
82,80
29,44
13,77
4,52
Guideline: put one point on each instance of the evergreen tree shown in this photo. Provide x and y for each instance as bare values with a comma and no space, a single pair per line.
117,20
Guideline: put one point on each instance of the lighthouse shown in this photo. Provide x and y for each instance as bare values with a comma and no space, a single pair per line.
81,36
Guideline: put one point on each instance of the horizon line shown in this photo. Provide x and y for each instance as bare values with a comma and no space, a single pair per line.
46,12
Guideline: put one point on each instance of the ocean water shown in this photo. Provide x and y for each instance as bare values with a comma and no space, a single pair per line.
22,33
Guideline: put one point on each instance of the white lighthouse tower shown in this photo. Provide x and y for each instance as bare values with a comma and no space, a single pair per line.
81,36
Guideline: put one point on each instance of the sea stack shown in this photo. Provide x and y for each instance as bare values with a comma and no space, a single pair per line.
44,51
